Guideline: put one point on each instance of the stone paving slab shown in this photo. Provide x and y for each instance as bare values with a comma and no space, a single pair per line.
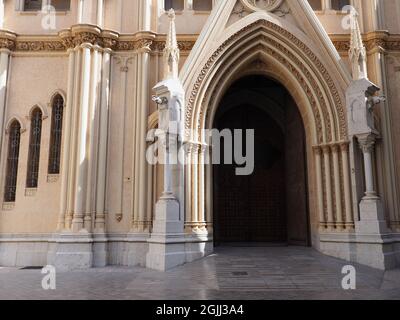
230,273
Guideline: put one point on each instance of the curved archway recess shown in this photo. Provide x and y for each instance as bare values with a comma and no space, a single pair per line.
270,204
266,48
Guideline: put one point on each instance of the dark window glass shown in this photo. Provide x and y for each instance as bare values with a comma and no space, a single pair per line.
12,162
339,4
56,135
32,5
34,149
177,5
61,5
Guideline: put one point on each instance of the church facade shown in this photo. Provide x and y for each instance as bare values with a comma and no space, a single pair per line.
88,86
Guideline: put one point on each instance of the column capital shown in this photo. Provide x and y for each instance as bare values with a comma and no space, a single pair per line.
7,40
344,146
326,149
317,150
367,142
335,147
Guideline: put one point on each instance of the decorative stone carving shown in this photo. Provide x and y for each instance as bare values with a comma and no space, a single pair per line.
266,5
118,217
86,37
7,40
143,45
362,98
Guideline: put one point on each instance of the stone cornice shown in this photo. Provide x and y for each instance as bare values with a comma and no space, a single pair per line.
151,42
374,41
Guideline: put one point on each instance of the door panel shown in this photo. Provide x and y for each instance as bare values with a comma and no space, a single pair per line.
251,208
295,175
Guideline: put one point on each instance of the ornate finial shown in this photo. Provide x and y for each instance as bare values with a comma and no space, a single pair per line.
171,14
171,51
357,52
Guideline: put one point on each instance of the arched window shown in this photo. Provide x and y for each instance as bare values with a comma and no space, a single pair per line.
34,149
56,134
177,5
12,161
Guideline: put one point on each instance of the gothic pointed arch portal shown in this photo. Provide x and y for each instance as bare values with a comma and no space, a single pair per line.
263,44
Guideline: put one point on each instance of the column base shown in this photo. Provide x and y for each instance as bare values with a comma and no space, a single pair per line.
100,250
167,242
372,219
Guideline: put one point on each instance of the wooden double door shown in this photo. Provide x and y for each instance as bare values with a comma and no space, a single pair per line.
269,205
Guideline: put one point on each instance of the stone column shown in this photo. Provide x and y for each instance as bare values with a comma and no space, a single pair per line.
123,62
81,160
143,49
7,43
195,186
367,144
1,14
140,164
338,191
75,102
320,188
92,137
4,66
188,187
344,147
103,142
328,186
66,153
202,200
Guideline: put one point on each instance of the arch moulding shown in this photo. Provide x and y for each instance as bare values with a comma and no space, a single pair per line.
263,46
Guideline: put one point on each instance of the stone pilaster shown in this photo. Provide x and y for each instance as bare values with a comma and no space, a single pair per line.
7,43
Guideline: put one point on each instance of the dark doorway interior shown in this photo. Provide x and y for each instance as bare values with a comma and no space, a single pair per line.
270,205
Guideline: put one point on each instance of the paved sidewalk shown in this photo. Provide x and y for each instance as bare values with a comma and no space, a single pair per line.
230,273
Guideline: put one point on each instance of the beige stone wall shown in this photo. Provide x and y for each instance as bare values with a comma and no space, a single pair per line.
33,80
